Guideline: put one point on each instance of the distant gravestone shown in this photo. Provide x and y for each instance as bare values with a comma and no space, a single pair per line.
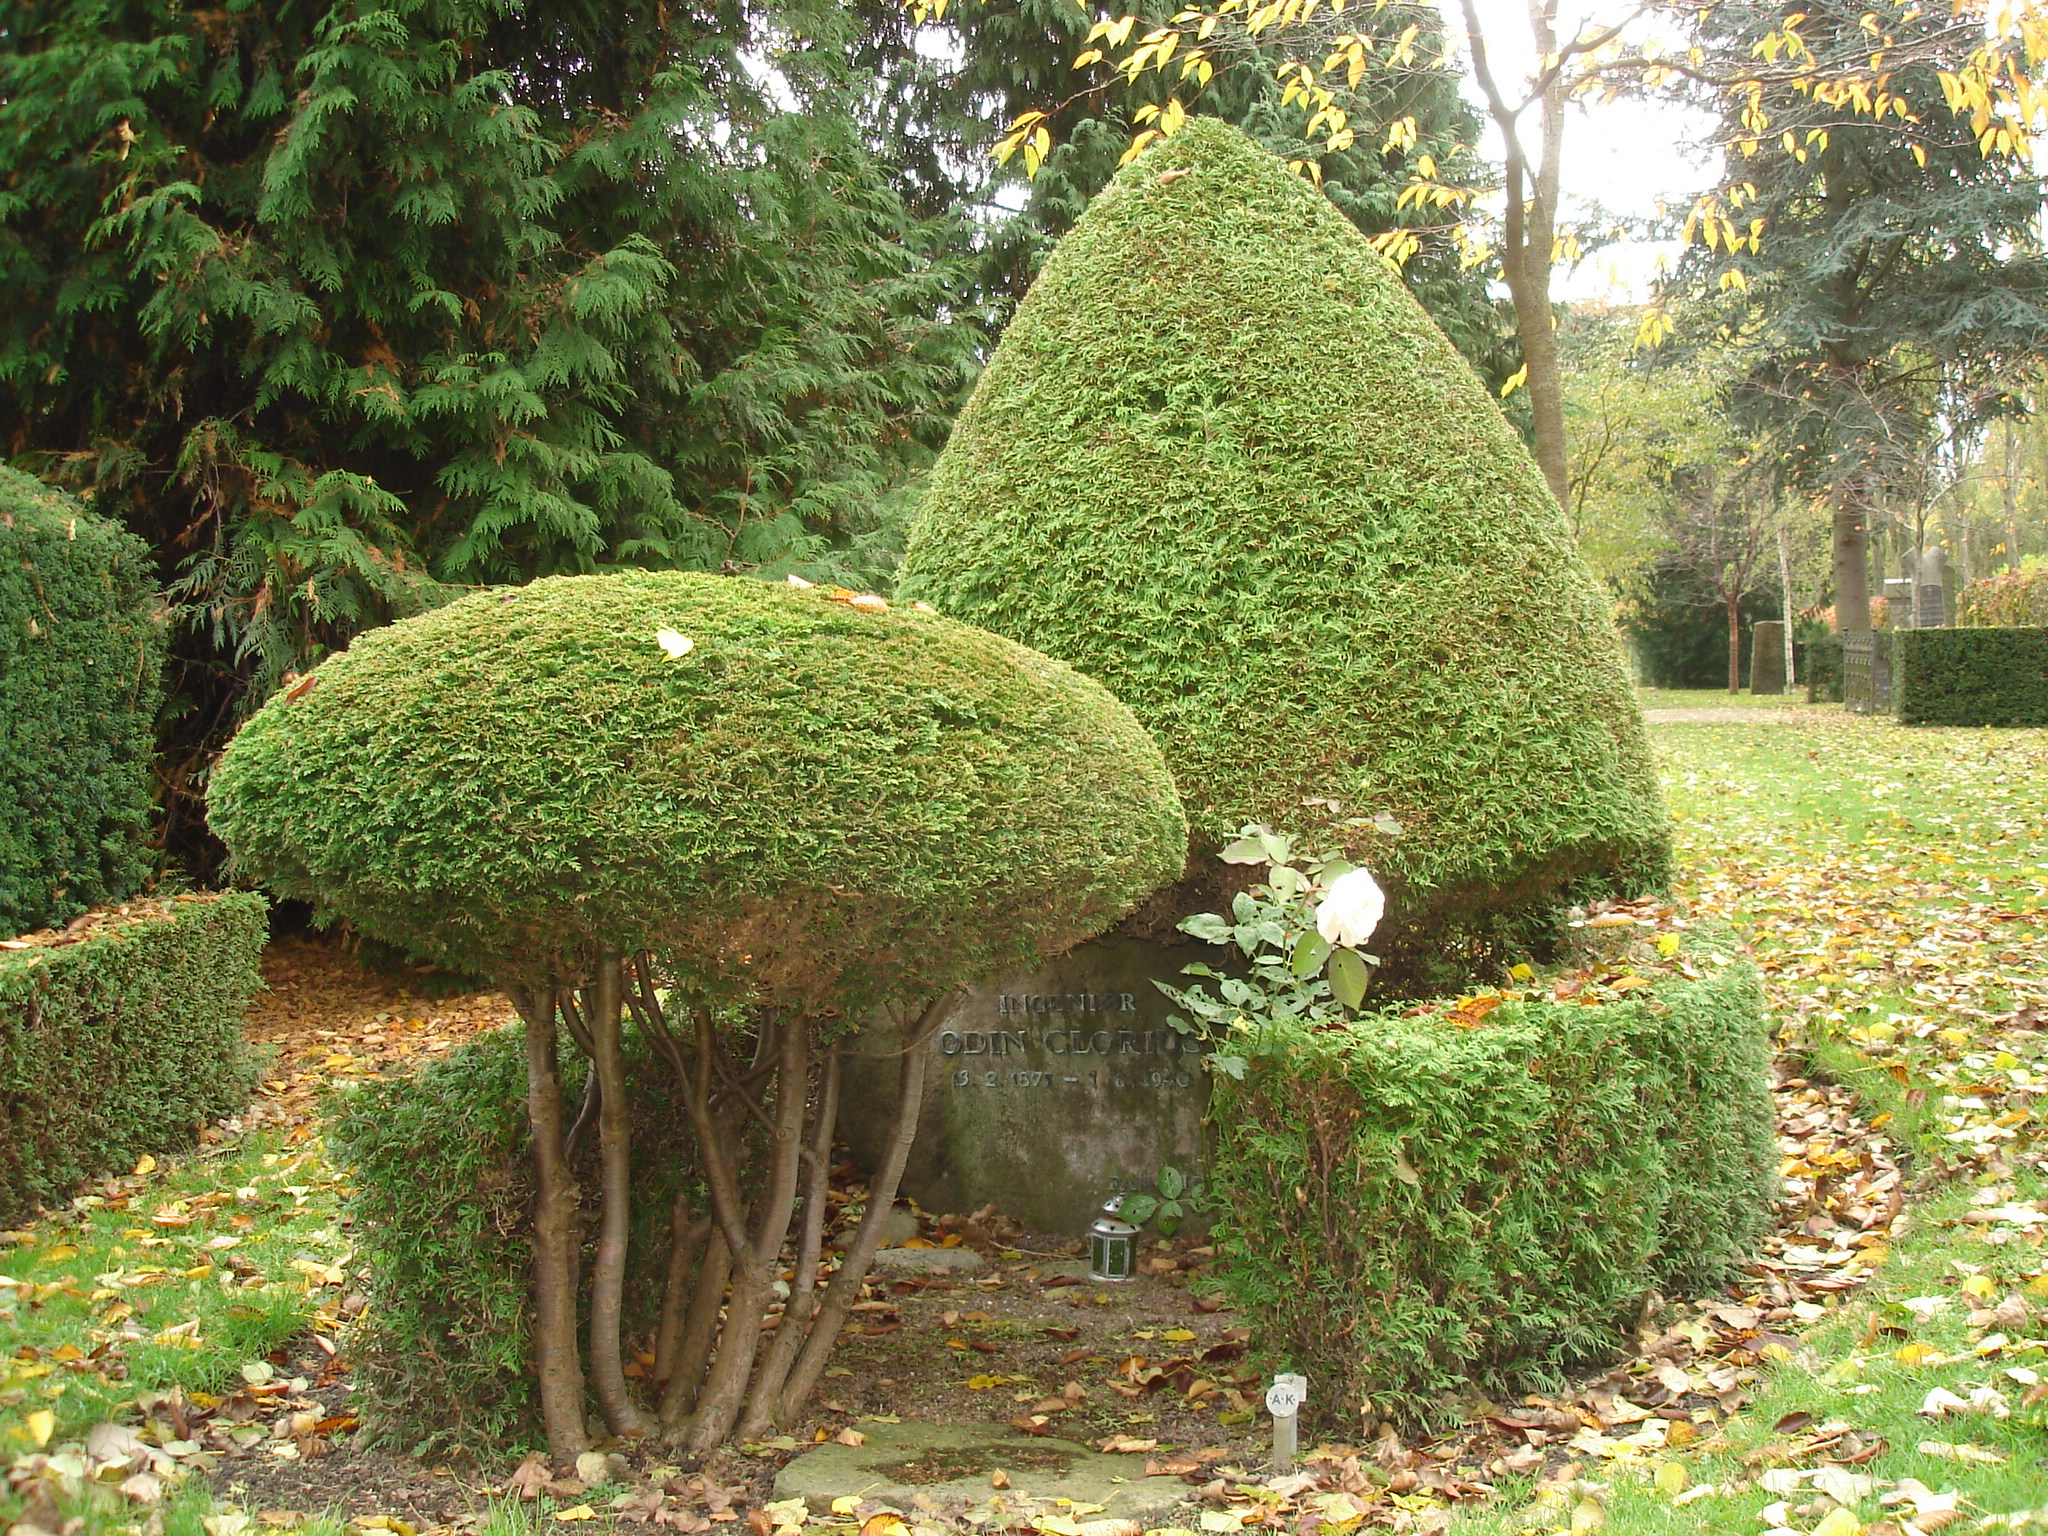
1930,611
1898,601
1045,1093
1767,656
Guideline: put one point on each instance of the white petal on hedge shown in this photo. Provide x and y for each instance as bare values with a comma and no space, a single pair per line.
1351,909
675,644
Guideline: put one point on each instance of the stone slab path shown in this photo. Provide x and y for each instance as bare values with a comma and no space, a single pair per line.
954,1467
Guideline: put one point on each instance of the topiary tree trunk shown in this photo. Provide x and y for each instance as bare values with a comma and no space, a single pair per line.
763,1095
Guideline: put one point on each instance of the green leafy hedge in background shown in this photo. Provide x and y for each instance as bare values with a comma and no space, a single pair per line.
81,663
2017,599
1223,462
442,1197
1411,1205
123,1041
1970,676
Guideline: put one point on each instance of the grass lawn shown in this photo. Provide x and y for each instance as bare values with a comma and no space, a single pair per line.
1717,698
1894,884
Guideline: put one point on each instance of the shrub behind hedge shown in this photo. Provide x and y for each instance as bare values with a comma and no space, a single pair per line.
81,663
123,1042
1970,676
2018,599
442,1199
1412,1206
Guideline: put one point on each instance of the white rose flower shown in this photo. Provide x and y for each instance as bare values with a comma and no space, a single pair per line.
1351,908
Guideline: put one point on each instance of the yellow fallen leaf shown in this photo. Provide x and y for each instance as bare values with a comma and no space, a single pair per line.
1178,1335
884,1524
1916,1354
1983,1287
58,1254
1671,1478
846,1503
1839,1522
145,1164
41,1425
576,1512
983,1383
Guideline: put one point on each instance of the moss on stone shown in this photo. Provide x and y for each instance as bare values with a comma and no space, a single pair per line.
817,806
1223,462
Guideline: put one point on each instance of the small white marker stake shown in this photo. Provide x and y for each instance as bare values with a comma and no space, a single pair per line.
1283,1400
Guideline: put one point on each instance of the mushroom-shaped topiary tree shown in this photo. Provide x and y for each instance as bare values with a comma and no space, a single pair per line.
743,815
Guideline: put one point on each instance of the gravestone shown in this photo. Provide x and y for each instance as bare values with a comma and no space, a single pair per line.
1045,1093
1930,610
1767,656
1898,601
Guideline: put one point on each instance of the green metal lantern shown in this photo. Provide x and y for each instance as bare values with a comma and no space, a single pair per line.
1112,1244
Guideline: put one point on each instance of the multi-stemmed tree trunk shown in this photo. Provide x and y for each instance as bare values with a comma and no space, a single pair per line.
762,1095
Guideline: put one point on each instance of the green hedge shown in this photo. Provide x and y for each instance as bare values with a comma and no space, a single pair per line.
441,1199
1412,1206
123,1042
1970,676
81,653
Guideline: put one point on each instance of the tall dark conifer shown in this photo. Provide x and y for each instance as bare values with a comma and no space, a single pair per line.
334,302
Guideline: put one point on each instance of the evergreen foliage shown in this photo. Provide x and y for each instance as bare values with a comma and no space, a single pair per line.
816,806
334,303
1678,634
442,1196
81,675
1970,676
123,1041
1411,1205
1223,462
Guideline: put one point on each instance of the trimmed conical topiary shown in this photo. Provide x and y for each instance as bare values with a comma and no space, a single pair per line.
1224,463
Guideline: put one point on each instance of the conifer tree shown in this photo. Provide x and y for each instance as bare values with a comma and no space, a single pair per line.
335,302
1223,463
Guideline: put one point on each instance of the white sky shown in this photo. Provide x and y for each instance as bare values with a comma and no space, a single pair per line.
1625,156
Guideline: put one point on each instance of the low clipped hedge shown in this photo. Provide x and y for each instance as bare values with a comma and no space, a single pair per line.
81,656
124,1041
1412,1206
442,1198
1970,676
